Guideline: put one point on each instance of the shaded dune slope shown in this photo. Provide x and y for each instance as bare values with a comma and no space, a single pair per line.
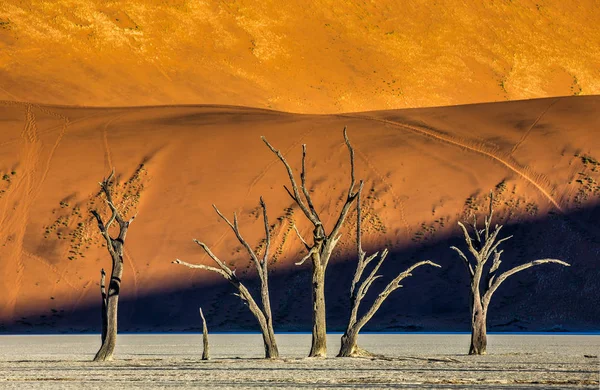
424,169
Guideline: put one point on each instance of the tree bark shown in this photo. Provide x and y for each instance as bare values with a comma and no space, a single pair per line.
349,346
271,350
319,329
104,304
478,330
205,347
112,302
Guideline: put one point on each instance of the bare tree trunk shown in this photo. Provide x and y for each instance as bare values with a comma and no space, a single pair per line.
478,335
478,327
319,330
108,346
104,304
271,351
205,349
349,345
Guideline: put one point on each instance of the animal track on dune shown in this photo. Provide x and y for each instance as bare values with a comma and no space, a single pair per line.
275,161
131,263
526,133
22,196
408,230
63,132
535,179
53,128
51,267
107,153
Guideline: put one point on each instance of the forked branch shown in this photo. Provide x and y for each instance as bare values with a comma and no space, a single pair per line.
494,285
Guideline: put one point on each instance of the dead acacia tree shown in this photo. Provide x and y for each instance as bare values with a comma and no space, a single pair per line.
110,300
358,290
205,351
323,243
482,244
262,314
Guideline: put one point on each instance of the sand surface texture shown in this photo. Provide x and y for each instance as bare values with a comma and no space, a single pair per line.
423,169
323,56
425,361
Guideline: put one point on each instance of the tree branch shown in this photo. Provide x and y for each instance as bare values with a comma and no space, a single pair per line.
300,236
351,151
391,286
344,212
469,242
310,252
296,193
488,218
466,261
267,233
221,264
236,230
303,184
204,267
505,275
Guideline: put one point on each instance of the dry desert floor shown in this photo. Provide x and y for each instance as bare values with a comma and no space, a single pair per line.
434,361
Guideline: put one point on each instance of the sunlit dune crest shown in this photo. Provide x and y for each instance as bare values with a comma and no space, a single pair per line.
311,57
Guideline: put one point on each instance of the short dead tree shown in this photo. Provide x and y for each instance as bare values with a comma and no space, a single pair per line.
262,314
115,246
359,288
323,243
205,350
482,244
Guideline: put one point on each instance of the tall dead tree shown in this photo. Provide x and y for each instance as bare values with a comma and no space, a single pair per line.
482,244
262,314
323,243
359,289
110,300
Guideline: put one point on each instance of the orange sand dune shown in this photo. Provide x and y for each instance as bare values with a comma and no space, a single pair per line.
423,168
310,57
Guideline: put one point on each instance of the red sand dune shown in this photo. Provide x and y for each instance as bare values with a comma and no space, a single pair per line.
323,57
424,168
